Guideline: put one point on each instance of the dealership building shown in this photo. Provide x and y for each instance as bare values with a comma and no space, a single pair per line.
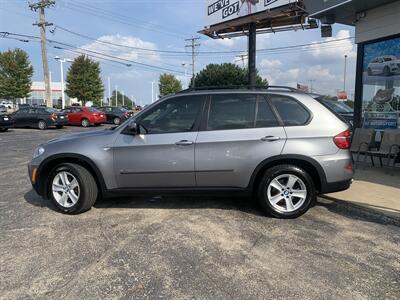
377,35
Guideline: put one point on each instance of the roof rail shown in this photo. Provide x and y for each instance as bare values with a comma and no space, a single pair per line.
240,87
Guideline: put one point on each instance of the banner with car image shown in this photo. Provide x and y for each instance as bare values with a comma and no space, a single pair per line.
381,84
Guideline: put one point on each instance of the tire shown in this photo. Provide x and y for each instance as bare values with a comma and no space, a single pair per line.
97,124
3,129
59,126
386,71
78,199
286,205
117,121
42,125
85,123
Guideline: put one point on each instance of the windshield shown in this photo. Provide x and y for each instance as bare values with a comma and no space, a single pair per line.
51,110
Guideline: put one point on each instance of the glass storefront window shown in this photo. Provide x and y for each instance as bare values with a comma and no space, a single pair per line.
381,84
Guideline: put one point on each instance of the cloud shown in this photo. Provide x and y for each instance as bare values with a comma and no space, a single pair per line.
333,52
128,52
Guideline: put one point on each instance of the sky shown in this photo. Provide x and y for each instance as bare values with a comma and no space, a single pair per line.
164,25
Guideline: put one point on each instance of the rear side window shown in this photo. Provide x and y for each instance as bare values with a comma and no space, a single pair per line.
231,112
291,112
265,117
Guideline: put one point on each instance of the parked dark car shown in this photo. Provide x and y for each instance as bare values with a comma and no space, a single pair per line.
39,117
116,115
6,121
342,109
3,109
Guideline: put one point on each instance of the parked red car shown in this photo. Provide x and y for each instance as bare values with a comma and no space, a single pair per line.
85,116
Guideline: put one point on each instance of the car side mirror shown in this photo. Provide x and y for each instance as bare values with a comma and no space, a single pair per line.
132,128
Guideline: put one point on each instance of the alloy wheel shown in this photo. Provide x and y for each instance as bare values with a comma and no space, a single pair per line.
65,189
286,193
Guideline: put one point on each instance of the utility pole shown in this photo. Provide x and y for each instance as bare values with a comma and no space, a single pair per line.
345,70
109,91
252,54
193,45
242,57
42,24
311,84
116,95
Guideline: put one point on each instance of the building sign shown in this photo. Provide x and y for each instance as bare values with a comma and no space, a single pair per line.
218,11
381,84
342,96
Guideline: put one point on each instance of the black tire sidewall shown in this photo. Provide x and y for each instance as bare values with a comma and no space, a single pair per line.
78,206
271,174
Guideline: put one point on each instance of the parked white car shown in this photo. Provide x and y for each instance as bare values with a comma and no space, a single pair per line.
7,104
384,65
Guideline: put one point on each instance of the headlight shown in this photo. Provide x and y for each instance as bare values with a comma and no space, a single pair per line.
38,151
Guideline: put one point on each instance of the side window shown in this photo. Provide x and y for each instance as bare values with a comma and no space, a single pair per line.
173,115
32,111
231,111
66,111
265,116
290,111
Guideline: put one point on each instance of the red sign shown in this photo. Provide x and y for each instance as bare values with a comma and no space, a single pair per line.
342,96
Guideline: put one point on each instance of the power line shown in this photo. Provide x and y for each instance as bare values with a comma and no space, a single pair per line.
51,42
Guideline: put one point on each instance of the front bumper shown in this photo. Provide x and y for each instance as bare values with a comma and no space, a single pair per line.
7,124
35,179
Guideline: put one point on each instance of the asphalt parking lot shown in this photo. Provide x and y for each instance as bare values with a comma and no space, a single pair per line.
203,248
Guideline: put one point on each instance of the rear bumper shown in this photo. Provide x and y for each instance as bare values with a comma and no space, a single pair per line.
338,186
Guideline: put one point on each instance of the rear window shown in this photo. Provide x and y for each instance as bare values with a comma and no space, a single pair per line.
50,110
291,111
93,109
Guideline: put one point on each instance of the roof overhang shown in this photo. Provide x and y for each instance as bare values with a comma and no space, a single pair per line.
341,11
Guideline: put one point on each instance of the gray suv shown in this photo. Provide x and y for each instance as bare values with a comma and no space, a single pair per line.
281,146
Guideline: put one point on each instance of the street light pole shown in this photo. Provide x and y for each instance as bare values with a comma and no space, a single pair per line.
345,69
109,90
62,61
152,91
116,95
123,98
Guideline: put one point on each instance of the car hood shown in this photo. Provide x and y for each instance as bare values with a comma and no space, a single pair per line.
83,135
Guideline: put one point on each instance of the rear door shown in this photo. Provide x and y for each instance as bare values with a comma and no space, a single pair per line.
239,132
32,117
75,115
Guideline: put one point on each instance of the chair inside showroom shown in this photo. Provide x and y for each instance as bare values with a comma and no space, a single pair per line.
361,143
389,148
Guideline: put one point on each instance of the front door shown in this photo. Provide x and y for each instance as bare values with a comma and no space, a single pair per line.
162,156
239,132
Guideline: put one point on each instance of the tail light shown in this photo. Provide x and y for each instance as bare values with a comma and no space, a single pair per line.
95,114
126,115
53,116
342,140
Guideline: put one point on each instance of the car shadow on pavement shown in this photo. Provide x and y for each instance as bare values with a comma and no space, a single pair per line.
243,204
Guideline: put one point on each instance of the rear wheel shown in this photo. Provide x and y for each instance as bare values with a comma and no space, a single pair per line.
42,125
85,123
72,188
286,191
117,121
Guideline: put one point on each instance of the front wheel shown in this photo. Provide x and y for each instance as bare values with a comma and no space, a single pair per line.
286,191
117,121
72,188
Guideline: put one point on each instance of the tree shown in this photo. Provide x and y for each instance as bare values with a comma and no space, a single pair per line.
15,74
84,81
121,99
169,84
225,75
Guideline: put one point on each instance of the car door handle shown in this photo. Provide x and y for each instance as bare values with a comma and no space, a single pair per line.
270,138
184,143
